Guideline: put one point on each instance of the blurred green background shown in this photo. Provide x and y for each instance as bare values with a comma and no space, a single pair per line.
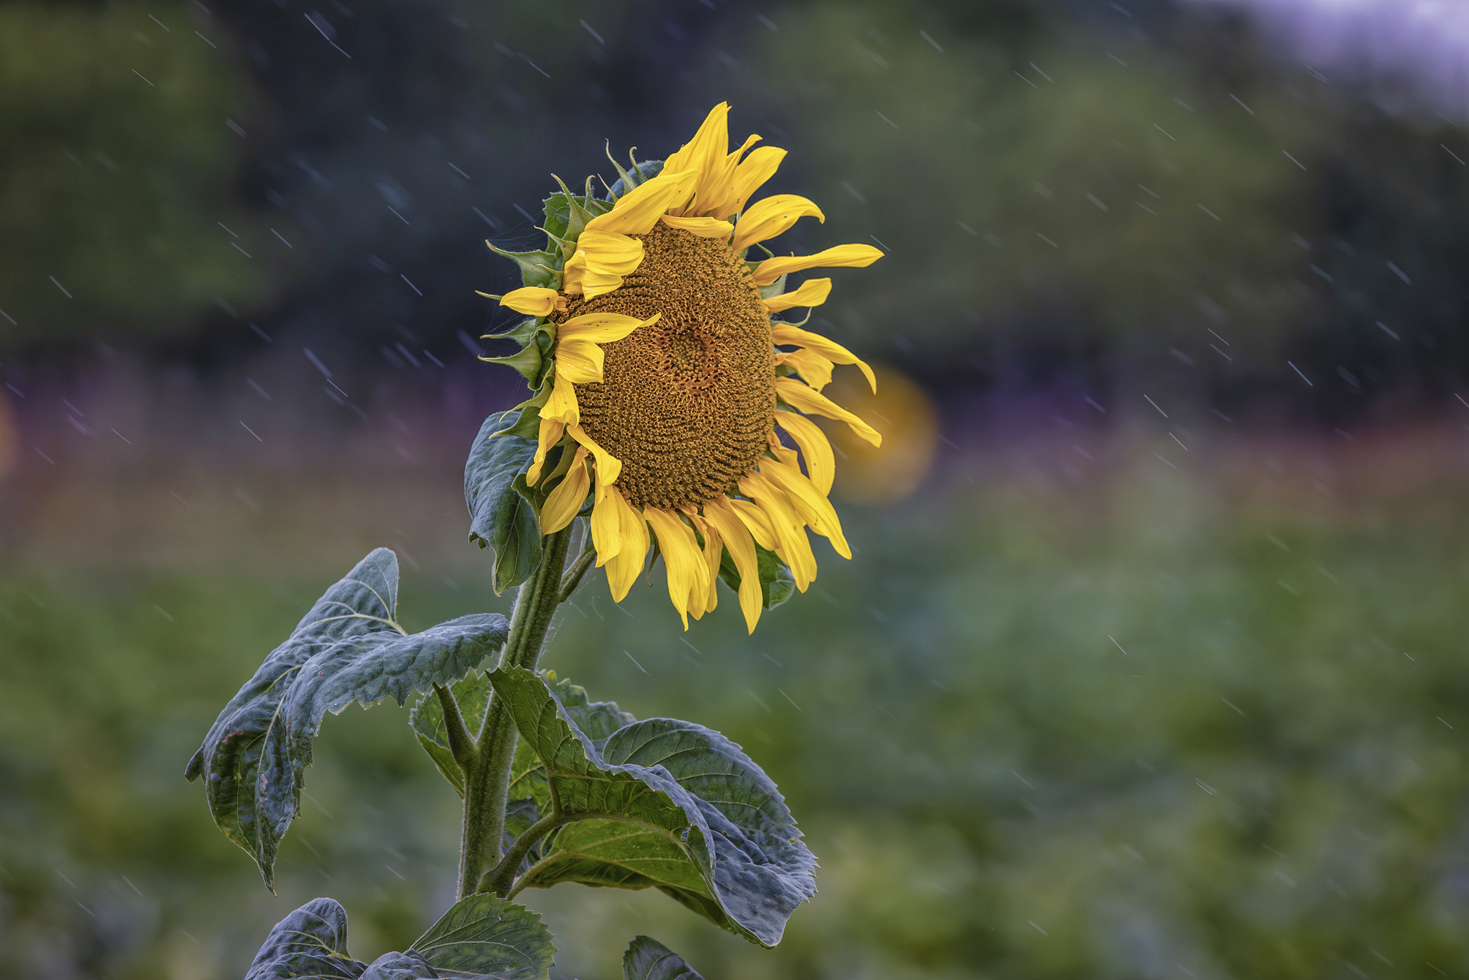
1149,661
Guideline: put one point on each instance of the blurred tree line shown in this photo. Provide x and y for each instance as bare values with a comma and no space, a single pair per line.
1070,192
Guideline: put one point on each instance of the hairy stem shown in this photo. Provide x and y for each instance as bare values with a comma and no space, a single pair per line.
488,781
583,563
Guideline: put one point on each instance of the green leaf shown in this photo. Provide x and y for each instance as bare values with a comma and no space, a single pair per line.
426,718
648,959
488,937
499,517
776,584
664,804
536,268
310,942
564,221
480,938
596,719
349,647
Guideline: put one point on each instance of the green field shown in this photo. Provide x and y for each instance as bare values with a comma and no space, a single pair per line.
1268,782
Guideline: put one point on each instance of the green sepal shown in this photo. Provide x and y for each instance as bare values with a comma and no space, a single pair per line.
648,959
536,268
521,333
528,362
577,212
775,288
524,420
567,215
641,174
776,584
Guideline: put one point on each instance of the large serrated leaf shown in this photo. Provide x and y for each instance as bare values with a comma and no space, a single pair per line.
480,938
310,942
349,647
648,959
488,937
665,804
499,517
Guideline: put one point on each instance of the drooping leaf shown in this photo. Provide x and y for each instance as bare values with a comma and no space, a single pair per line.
310,942
596,719
648,959
488,937
499,517
480,938
349,647
776,584
664,804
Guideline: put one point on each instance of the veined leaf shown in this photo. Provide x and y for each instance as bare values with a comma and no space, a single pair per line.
480,938
483,937
665,804
310,942
499,517
349,647
648,959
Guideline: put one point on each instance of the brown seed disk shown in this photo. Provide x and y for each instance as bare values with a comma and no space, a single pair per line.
686,403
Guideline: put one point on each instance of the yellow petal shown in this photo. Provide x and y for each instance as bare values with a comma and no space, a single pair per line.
790,535
722,517
566,500
753,171
561,406
705,153
756,522
812,292
703,227
600,261
606,524
716,188
857,256
625,567
707,601
791,335
550,434
770,217
810,506
814,369
681,557
601,328
815,449
609,467
638,210
580,361
811,402
534,300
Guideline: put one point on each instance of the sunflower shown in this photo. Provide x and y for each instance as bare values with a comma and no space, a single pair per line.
664,376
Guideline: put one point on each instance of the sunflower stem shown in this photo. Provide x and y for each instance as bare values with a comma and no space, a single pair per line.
487,784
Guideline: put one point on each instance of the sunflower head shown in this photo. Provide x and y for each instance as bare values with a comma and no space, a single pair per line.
670,397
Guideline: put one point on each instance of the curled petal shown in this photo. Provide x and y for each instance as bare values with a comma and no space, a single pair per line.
705,153
606,524
815,449
534,300
856,256
580,361
814,369
811,506
756,522
790,536
811,402
550,434
703,227
812,292
609,467
601,260
561,406
602,328
770,217
565,501
791,335
722,518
